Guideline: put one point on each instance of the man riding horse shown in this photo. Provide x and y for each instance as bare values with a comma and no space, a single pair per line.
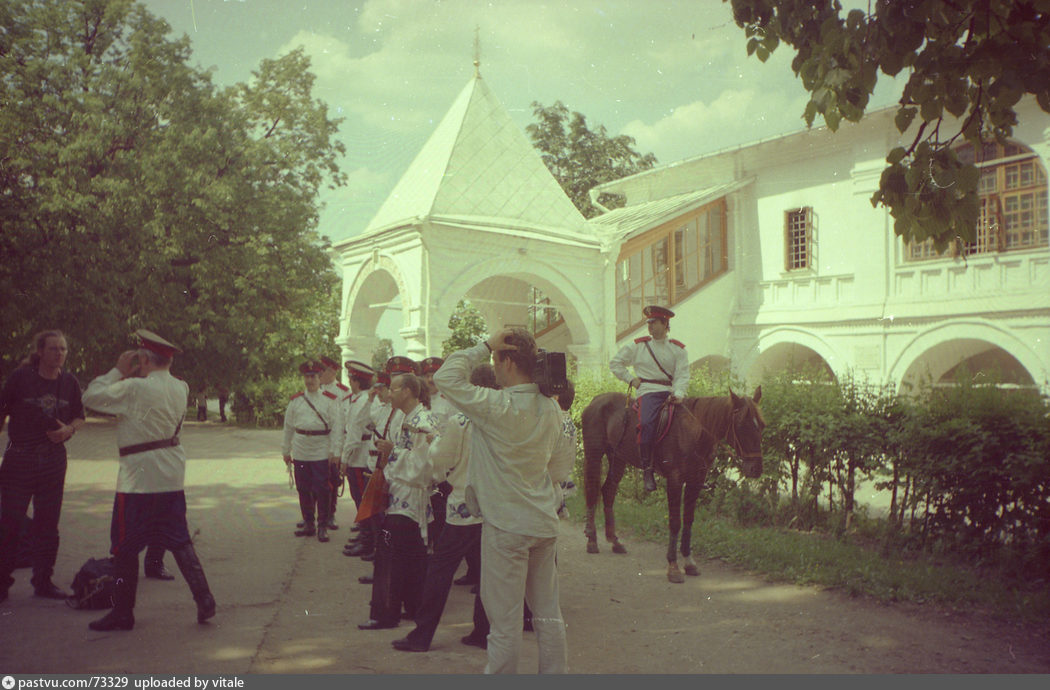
661,375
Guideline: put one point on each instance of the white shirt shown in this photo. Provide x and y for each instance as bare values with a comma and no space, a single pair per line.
450,458
441,409
148,408
386,421
408,471
672,357
517,451
325,413
358,438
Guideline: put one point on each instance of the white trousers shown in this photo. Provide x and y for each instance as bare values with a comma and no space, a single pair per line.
517,568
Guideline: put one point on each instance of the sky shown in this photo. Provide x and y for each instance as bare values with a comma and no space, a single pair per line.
673,74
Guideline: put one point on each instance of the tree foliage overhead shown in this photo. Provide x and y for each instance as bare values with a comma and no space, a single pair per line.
969,63
580,158
136,193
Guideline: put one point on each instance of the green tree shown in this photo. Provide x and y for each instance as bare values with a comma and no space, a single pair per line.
384,351
967,59
580,158
467,326
138,194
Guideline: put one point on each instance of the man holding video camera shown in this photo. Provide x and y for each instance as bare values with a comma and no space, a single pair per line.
518,455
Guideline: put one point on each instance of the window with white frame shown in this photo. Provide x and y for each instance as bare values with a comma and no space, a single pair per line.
668,263
1013,205
798,239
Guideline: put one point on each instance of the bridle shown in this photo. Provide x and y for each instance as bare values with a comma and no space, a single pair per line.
734,441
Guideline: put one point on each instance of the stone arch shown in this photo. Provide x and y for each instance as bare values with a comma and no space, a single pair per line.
575,307
783,348
939,350
379,280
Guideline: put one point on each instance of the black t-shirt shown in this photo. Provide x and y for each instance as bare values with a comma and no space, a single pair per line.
34,405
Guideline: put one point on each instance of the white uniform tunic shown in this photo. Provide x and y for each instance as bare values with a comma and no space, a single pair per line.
148,408
672,357
441,409
358,438
300,415
385,421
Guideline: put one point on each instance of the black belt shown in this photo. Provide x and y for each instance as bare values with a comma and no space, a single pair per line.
662,382
313,432
148,445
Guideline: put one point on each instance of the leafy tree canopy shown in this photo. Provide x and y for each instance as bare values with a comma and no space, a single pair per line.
969,61
580,158
384,350
467,326
136,193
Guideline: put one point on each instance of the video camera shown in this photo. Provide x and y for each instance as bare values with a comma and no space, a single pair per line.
550,373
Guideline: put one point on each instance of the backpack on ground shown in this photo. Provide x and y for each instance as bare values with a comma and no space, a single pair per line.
93,585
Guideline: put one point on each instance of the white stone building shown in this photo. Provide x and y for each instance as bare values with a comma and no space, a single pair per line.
770,254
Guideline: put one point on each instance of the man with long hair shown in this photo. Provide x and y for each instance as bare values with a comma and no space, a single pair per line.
44,404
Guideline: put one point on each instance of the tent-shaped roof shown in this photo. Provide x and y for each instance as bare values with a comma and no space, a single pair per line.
479,166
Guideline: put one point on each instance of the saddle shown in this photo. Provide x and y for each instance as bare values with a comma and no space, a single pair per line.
663,421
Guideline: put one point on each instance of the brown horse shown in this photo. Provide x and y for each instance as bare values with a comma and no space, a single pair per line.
684,456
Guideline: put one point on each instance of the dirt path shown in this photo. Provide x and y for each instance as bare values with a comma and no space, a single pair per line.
291,606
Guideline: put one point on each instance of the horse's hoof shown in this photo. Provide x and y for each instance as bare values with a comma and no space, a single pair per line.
618,548
592,547
675,575
692,570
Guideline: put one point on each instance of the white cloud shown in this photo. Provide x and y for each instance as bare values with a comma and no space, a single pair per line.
700,127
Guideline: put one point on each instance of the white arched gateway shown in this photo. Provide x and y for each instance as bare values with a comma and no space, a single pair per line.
477,216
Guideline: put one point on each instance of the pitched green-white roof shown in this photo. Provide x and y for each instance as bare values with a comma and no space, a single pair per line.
479,166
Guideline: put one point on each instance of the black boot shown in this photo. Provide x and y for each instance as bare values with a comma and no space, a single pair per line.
153,567
122,616
190,566
646,452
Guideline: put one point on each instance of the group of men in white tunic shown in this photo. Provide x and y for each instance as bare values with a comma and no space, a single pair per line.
501,449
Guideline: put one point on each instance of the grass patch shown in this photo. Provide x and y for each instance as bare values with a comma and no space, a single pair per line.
854,566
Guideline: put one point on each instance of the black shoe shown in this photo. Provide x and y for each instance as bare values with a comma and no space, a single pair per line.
358,549
307,531
114,620
355,527
406,644
157,572
366,579
205,608
322,534
467,579
649,480
301,524
48,590
332,525
475,641
373,624
370,556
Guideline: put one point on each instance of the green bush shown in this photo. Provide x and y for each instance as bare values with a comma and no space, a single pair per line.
263,403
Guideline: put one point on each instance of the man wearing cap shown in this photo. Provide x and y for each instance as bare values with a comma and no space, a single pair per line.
384,419
661,375
330,382
150,504
355,450
313,441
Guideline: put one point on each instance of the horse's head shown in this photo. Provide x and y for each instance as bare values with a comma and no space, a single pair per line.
745,431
